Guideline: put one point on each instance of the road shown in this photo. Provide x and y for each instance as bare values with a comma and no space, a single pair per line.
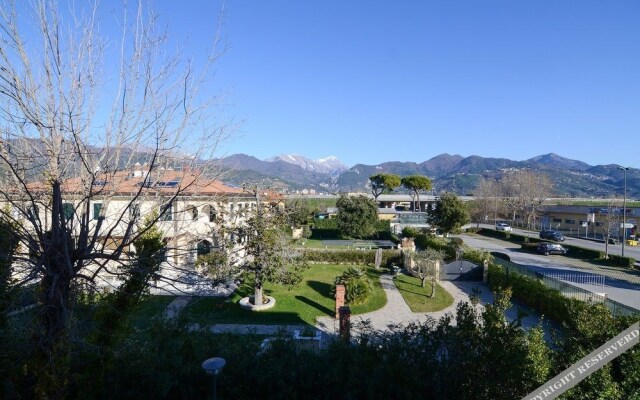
621,286
616,249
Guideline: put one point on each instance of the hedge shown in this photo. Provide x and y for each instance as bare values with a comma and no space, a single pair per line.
533,293
328,229
618,261
356,257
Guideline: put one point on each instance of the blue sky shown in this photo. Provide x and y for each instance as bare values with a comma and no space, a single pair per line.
374,81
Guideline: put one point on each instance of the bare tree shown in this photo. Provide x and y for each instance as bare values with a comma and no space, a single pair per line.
525,192
610,223
78,110
488,201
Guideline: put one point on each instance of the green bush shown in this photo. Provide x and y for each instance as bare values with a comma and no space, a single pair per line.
618,261
357,285
410,232
582,253
448,245
477,256
533,293
529,246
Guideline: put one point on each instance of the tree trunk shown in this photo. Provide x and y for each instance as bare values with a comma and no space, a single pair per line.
257,295
433,288
422,281
53,352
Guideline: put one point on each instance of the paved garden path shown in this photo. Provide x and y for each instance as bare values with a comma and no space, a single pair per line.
397,312
174,308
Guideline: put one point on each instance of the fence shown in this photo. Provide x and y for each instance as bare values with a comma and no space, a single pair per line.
567,289
581,279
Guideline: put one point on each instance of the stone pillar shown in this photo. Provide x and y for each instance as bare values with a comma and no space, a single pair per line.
345,323
485,271
340,293
378,260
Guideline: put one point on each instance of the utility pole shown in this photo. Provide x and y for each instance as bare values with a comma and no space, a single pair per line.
624,208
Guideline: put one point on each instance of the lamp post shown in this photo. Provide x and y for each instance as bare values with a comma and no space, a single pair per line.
213,366
624,208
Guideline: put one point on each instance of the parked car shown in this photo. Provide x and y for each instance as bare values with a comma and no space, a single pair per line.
552,235
550,248
503,227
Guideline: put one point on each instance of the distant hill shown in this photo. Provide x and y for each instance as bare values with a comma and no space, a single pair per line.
572,178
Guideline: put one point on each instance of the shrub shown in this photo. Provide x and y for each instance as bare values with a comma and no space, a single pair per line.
357,285
410,232
531,292
618,261
477,256
448,245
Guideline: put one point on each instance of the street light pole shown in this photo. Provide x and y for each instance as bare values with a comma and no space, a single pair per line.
212,367
624,208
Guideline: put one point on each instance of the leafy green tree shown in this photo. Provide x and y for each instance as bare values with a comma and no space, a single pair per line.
383,183
416,184
8,245
215,265
357,216
425,266
138,273
450,213
298,212
267,251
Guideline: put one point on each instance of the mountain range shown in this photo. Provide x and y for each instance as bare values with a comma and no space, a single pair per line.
454,173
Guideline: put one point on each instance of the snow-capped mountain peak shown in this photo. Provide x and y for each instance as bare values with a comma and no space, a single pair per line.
327,165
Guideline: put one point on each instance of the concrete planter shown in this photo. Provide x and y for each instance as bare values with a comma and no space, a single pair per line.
246,304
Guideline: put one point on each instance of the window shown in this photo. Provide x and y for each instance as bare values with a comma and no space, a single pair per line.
558,220
203,247
97,209
212,214
194,213
570,221
67,211
166,212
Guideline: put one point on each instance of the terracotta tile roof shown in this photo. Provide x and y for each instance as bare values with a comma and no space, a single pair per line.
187,183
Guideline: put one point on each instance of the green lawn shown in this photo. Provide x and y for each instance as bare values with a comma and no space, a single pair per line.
417,297
300,304
313,244
154,306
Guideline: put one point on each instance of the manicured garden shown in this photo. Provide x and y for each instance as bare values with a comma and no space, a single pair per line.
300,304
419,298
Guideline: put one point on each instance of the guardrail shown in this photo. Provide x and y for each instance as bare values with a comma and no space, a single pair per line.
569,290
